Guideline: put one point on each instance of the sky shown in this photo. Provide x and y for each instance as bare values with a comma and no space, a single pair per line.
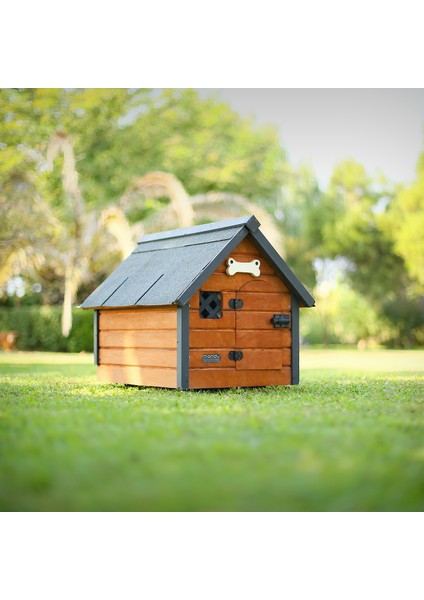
381,128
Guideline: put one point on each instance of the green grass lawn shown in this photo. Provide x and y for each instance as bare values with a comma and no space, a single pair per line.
349,437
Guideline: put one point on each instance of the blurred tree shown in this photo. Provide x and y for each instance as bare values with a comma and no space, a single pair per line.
120,134
355,229
92,117
353,205
99,141
119,141
301,217
83,230
405,221
343,316
27,225
205,144
184,210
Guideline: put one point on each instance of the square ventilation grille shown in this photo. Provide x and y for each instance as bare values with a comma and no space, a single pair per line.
210,305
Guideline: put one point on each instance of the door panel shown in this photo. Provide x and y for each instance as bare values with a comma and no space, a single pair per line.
264,347
255,319
256,338
260,359
212,339
259,301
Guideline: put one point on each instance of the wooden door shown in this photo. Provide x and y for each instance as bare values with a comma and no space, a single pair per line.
259,345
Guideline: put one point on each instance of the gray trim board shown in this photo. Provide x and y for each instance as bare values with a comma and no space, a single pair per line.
183,315
96,337
269,251
210,268
295,341
251,222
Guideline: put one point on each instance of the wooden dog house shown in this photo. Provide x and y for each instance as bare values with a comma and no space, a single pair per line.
211,306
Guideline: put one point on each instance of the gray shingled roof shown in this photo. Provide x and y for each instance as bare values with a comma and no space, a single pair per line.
167,268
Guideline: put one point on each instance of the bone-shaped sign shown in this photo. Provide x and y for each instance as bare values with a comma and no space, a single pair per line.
252,267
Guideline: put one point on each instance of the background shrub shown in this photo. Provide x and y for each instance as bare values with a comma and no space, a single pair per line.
39,328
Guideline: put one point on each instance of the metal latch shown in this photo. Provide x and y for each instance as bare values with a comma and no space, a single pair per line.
235,355
279,321
235,303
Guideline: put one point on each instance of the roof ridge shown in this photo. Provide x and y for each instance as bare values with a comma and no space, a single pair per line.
249,221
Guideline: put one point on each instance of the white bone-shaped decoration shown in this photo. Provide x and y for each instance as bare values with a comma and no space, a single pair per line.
252,267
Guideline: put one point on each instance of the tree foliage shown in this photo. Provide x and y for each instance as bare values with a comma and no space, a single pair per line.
206,145
405,222
82,170
77,151
356,228
301,219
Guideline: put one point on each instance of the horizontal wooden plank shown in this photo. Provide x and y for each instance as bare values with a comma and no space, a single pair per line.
275,301
224,378
159,338
260,359
196,357
286,353
227,321
275,338
212,338
246,338
221,281
142,318
258,301
139,357
254,320
246,246
137,376
253,359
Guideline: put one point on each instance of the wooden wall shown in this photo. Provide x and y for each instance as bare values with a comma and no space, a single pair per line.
266,350
138,346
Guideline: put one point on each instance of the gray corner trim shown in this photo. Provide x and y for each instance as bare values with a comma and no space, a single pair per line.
295,341
251,222
272,255
210,268
183,315
96,337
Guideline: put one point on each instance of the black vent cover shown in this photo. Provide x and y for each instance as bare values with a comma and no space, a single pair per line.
210,306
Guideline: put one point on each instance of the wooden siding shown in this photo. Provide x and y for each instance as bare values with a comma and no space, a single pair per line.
155,376
276,302
150,318
162,338
266,350
223,378
137,346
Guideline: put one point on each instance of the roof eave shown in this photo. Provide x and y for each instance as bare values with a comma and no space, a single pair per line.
251,222
185,296
251,227
287,274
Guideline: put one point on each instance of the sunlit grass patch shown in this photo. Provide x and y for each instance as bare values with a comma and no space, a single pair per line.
347,438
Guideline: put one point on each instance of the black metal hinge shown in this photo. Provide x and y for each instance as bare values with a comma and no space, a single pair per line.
235,303
235,355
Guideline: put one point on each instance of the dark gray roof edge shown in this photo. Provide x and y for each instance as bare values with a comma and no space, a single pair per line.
269,252
250,221
210,268
272,255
